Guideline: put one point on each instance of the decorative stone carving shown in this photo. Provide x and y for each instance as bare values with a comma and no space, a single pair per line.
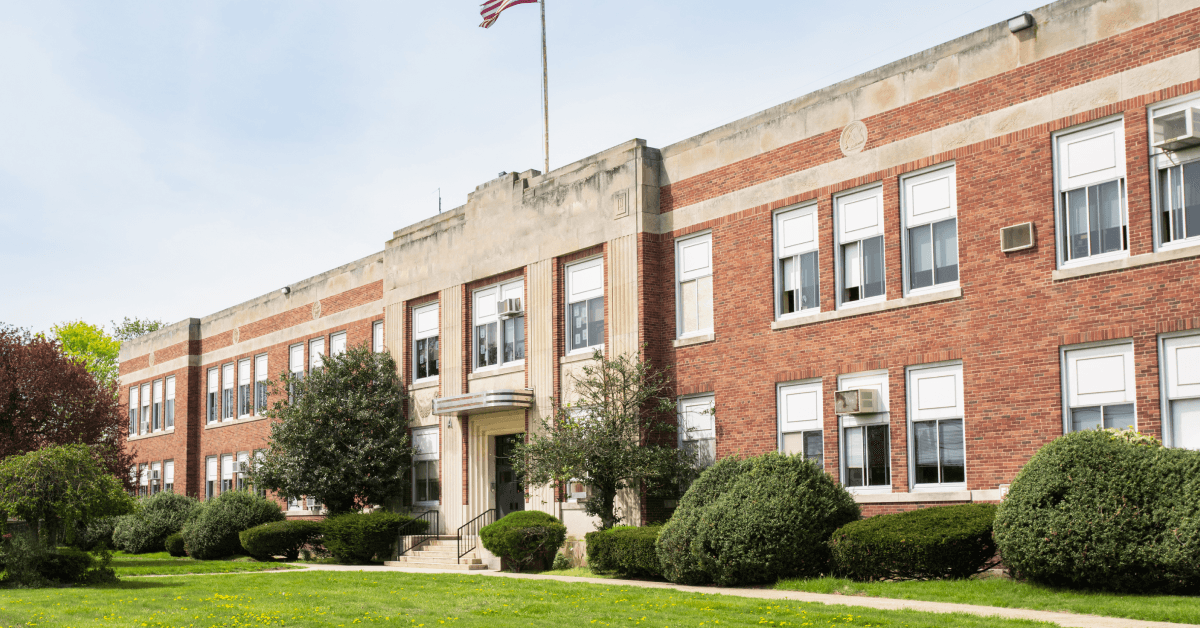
854,138
622,205
316,310
151,358
237,335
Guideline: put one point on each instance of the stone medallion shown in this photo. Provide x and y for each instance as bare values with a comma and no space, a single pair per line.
854,138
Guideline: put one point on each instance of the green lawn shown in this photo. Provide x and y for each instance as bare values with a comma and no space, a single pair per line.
401,599
1012,594
163,563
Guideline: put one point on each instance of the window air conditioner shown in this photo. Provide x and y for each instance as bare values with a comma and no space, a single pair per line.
857,402
1017,237
509,308
1177,130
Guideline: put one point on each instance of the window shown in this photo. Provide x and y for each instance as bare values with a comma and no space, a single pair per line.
1090,175
243,466
1100,387
169,476
316,353
213,386
337,343
295,367
133,479
143,480
585,305
499,335
796,251
931,221
259,456
935,412
426,489
866,446
169,408
156,413
243,391
377,336
1181,363
576,491
800,420
133,410
227,392
260,384
210,477
145,396
860,246
226,472
425,342
697,428
1179,202
155,477
694,284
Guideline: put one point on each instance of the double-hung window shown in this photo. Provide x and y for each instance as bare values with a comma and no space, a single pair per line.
798,279
337,344
143,480
377,336
145,396
210,477
169,476
1100,387
1177,180
214,385
156,412
243,467
1090,178
866,444
169,405
860,247
800,420
1181,366
227,392
425,342
585,305
133,479
426,489
226,472
697,428
245,376
259,457
295,367
499,324
931,224
694,284
133,410
260,384
155,477
935,414
316,353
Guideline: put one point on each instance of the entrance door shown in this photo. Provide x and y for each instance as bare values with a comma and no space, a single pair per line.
510,495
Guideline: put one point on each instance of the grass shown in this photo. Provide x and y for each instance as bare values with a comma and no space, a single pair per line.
400,599
1008,593
162,563
577,572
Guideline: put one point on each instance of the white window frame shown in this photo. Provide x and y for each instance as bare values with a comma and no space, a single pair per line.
800,409
377,336
156,413
850,232
245,388
423,436
696,251
796,232
426,324
169,476
485,310
1064,183
227,472
296,359
697,422
228,393
240,467
921,409
143,479
316,353
261,374
169,405
212,477
877,381
213,400
577,294
1160,159
910,220
145,412
1072,397
155,477
1172,389
337,343
135,419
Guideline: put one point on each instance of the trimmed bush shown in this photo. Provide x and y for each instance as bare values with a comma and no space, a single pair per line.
1105,510
281,538
90,537
67,566
29,564
358,538
925,544
754,520
175,546
624,550
212,532
524,539
156,518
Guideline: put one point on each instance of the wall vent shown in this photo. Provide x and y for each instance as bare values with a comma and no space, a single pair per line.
1017,238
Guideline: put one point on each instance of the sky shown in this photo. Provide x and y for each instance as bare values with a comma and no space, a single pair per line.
168,160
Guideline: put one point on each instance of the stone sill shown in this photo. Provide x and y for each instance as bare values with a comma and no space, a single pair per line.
504,370
581,356
894,304
429,383
1136,261
152,435
250,419
698,339
572,506
992,495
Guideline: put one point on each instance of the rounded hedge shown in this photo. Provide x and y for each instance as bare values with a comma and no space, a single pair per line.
156,518
754,520
213,532
359,538
98,531
926,544
281,538
175,546
524,538
624,550
1105,510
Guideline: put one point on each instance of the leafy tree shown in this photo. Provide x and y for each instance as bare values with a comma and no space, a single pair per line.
130,328
92,346
59,488
343,435
49,398
611,439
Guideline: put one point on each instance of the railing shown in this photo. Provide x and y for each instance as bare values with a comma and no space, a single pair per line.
468,533
412,535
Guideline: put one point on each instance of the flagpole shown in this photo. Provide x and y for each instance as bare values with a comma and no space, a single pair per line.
545,89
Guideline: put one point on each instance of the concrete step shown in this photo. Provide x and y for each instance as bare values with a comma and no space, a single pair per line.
423,558
429,565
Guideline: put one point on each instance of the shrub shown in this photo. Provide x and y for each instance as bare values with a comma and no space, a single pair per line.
98,531
754,520
524,538
174,545
1104,510
29,564
926,544
158,516
213,531
281,538
66,566
624,550
358,538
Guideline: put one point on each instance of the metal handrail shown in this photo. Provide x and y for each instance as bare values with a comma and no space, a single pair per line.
407,542
471,529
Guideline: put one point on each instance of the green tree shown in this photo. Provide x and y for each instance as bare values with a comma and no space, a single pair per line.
340,435
59,489
92,346
612,438
130,328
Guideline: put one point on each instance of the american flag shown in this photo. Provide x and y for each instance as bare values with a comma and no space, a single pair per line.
492,8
